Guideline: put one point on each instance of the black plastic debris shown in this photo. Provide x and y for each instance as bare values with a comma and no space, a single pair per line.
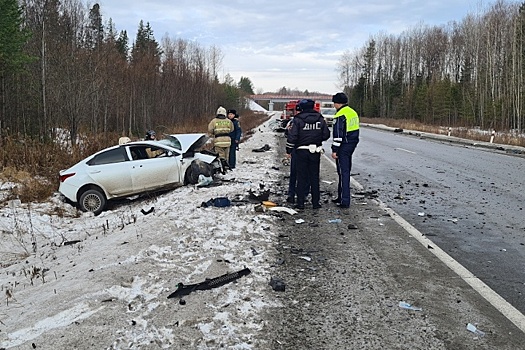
262,149
71,242
263,196
209,283
398,130
277,284
151,210
352,227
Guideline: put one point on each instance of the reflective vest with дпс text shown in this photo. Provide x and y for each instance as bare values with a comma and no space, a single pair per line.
352,119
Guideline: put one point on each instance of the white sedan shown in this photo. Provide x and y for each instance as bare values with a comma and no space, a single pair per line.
135,168
328,114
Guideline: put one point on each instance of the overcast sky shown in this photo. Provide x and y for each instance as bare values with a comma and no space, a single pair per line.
279,43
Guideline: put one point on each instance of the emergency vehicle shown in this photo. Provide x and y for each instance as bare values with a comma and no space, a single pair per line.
290,109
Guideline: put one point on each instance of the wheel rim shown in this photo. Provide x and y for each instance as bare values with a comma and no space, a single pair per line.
92,202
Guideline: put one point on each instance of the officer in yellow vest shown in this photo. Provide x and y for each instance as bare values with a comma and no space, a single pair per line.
220,128
345,140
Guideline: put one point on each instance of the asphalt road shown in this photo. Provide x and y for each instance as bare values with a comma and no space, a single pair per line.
468,200
346,271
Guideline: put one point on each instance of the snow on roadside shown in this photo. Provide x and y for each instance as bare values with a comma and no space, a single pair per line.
75,280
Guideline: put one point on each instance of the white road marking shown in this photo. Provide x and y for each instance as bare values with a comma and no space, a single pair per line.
503,306
405,150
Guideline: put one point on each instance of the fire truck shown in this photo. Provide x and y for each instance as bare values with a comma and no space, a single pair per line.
290,109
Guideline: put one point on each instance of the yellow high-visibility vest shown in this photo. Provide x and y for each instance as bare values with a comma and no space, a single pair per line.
352,119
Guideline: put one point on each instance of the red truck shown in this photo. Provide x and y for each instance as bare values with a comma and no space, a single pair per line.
290,109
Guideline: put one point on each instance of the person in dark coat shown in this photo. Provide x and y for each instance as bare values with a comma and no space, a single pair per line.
235,136
292,182
305,137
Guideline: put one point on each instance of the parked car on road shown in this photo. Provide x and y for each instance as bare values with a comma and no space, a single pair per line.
135,168
328,114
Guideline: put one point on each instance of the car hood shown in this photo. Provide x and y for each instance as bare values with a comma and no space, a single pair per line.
187,142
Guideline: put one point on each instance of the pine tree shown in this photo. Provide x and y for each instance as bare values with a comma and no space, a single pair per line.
12,37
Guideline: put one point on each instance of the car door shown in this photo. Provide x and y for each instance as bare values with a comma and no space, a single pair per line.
110,170
149,174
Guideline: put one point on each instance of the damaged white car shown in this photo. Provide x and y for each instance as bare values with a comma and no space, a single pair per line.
137,167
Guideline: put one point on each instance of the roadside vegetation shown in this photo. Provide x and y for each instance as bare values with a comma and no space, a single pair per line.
466,73
90,85
30,167
476,134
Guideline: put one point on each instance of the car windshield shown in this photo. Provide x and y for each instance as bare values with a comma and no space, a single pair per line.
172,142
328,111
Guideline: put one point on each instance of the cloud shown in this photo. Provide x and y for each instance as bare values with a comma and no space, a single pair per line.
281,43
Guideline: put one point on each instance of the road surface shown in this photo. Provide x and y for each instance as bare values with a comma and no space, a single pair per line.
467,200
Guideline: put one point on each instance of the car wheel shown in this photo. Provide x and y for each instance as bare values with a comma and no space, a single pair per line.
196,168
92,200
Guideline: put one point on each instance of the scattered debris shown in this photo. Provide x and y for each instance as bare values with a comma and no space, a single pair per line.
264,148
261,197
260,208
283,209
405,305
299,221
475,330
352,227
277,284
334,221
71,242
151,210
368,194
204,181
421,214
269,204
209,283
217,202
307,258
279,261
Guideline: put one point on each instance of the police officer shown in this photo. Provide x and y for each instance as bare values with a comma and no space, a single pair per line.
235,137
220,128
345,140
305,137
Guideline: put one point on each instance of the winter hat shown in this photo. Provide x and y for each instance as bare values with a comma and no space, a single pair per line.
306,104
221,111
233,111
340,97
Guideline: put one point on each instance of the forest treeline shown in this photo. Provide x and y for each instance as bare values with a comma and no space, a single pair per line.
64,66
469,73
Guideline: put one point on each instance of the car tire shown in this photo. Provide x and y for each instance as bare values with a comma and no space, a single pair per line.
196,168
92,200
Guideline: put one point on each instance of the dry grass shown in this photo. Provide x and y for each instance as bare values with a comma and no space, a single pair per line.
32,166
461,132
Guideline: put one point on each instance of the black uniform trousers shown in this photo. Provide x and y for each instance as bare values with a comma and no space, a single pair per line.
307,170
344,166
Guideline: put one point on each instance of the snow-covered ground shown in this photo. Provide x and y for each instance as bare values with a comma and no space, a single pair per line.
75,281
